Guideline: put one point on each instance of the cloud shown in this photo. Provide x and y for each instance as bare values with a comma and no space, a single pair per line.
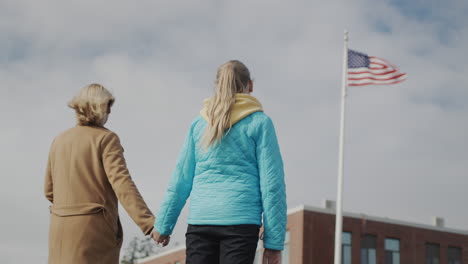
406,144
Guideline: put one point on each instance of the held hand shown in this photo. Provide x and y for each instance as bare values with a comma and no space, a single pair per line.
160,239
271,256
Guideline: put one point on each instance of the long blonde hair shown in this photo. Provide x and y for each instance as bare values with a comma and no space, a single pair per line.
232,77
92,105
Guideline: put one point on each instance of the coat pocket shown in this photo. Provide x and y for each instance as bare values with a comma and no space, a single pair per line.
114,225
91,209
76,209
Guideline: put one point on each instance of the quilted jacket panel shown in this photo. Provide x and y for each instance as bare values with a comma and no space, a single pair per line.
232,182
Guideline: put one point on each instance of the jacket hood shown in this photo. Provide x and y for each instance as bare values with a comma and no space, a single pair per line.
244,105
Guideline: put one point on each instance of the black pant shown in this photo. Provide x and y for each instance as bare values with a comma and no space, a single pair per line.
211,244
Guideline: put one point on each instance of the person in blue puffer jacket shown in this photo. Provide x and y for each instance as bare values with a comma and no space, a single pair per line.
231,167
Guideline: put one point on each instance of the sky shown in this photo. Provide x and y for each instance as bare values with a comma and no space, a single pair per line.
406,150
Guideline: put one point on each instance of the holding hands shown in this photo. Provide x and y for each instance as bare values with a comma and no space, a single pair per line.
271,256
160,239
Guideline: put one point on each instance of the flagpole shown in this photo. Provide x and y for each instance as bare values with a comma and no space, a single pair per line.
339,199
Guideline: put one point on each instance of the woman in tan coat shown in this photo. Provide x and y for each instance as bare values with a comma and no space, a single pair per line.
86,175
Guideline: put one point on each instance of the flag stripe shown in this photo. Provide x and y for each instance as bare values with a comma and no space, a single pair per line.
357,70
403,77
374,72
369,77
377,59
380,64
374,83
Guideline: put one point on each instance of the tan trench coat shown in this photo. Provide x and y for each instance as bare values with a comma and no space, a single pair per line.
86,175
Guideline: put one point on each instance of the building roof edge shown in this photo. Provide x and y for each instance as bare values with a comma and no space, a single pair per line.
379,219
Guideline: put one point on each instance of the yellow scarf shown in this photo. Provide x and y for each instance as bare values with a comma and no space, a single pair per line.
245,105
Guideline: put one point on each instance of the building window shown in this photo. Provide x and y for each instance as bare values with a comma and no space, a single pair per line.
346,248
454,255
392,251
432,253
368,249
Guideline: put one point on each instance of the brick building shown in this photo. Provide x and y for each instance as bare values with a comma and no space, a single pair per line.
366,240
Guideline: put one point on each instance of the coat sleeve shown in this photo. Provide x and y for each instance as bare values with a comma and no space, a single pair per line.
272,186
122,183
48,185
179,188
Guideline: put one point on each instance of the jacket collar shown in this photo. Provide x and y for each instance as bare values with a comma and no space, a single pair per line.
244,105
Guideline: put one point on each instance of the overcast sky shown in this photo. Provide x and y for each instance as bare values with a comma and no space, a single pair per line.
406,144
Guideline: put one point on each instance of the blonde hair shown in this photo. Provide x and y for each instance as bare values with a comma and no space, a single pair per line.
232,77
92,105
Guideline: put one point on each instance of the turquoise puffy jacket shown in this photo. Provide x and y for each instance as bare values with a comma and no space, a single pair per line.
230,183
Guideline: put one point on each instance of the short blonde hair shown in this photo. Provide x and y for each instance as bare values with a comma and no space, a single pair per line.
92,105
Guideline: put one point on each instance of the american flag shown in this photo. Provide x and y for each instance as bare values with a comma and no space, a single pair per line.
365,70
